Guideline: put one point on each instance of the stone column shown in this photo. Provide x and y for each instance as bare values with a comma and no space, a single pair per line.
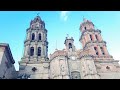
88,37
36,35
84,41
105,50
24,51
93,50
44,50
43,36
99,51
29,35
100,37
35,50
94,38
28,50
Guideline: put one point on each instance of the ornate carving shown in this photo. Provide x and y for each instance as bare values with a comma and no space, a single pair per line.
107,67
34,69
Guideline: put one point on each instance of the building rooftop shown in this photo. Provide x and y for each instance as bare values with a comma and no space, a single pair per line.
7,49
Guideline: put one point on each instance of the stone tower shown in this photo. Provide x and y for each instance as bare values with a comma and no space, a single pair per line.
96,61
69,43
91,39
36,44
35,50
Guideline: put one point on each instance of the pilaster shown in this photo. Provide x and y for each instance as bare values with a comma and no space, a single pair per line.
99,51
105,50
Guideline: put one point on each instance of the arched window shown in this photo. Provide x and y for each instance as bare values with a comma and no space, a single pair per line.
39,51
91,37
39,36
96,37
85,28
75,75
70,45
102,50
96,50
33,36
31,51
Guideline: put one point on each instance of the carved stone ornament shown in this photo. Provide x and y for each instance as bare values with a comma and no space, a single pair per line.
107,67
34,69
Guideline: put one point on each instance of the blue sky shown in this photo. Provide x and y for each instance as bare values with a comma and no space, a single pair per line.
13,25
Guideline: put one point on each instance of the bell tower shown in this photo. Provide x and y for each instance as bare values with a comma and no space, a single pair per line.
35,61
36,44
69,43
91,39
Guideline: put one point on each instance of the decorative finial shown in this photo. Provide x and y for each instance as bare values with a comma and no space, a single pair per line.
37,14
84,19
67,36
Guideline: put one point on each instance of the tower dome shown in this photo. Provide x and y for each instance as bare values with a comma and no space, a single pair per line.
37,23
86,24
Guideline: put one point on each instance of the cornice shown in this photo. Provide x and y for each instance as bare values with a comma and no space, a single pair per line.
92,30
93,42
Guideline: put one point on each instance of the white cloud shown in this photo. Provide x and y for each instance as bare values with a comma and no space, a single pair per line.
64,15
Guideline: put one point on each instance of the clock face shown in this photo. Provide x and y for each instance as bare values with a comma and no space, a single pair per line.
73,57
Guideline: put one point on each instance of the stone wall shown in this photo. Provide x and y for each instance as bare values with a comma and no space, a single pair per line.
7,72
36,71
74,66
59,68
88,69
111,75
108,69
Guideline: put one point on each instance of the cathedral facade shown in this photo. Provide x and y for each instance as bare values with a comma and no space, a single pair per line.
93,61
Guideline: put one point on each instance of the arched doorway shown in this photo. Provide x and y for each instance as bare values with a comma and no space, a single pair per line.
75,75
